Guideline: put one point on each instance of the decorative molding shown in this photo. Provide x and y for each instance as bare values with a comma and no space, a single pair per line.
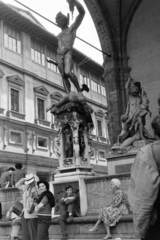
2,111
34,140
42,90
28,140
5,135
51,144
42,122
16,115
93,137
99,113
102,139
56,96
16,80
1,73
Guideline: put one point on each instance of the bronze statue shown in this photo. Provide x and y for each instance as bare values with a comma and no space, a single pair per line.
133,121
65,45
68,142
82,144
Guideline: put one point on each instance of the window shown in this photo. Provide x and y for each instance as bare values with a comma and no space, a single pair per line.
53,67
14,100
12,39
40,103
37,53
84,80
103,90
95,87
41,94
16,97
42,142
15,137
99,128
101,155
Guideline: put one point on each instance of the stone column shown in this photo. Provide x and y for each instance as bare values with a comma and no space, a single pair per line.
112,79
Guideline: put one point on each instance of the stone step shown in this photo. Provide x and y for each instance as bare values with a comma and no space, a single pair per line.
78,229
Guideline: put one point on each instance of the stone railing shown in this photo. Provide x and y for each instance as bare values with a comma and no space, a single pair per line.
99,192
42,122
16,115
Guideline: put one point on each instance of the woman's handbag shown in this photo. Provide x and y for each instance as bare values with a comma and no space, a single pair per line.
17,208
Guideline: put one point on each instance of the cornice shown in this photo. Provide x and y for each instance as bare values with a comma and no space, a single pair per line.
16,79
42,90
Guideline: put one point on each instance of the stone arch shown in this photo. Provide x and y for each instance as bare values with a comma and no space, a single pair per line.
127,21
102,24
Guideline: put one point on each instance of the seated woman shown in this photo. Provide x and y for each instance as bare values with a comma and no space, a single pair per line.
45,203
118,207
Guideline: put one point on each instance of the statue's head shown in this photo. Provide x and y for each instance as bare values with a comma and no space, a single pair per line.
61,20
135,87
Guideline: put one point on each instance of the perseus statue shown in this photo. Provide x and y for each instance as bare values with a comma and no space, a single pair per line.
66,40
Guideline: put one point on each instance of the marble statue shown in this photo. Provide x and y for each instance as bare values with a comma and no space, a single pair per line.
65,45
133,121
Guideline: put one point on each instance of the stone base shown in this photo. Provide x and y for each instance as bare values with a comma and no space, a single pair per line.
78,229
120,160
76,180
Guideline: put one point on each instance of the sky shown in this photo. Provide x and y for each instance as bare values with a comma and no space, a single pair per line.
86,31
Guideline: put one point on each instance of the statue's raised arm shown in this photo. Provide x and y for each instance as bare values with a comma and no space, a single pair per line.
80,8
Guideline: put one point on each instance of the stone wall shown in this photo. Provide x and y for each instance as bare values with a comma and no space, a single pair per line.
99,193
7,197
143,49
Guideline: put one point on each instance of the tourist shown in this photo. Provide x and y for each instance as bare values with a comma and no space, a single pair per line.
29,219
110,215
14,214
6,180
45,202
18,173
144,195
69,208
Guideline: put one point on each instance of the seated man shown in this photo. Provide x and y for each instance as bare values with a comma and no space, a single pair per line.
69,207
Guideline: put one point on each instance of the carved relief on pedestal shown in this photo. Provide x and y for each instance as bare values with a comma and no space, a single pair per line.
74,123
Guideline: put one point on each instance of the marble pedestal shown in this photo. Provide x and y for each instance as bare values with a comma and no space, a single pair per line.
76,178
120,160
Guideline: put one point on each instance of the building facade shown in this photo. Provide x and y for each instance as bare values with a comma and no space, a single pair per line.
29,85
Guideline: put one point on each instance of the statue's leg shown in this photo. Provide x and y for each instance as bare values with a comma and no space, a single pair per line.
129,141
61,66
141,128
68,71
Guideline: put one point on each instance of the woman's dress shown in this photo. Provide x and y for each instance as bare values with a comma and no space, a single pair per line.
111,215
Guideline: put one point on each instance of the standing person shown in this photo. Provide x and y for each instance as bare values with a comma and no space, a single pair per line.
45,202
143,192
69,207
118,207
6,179
17,174
29,219
65,45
